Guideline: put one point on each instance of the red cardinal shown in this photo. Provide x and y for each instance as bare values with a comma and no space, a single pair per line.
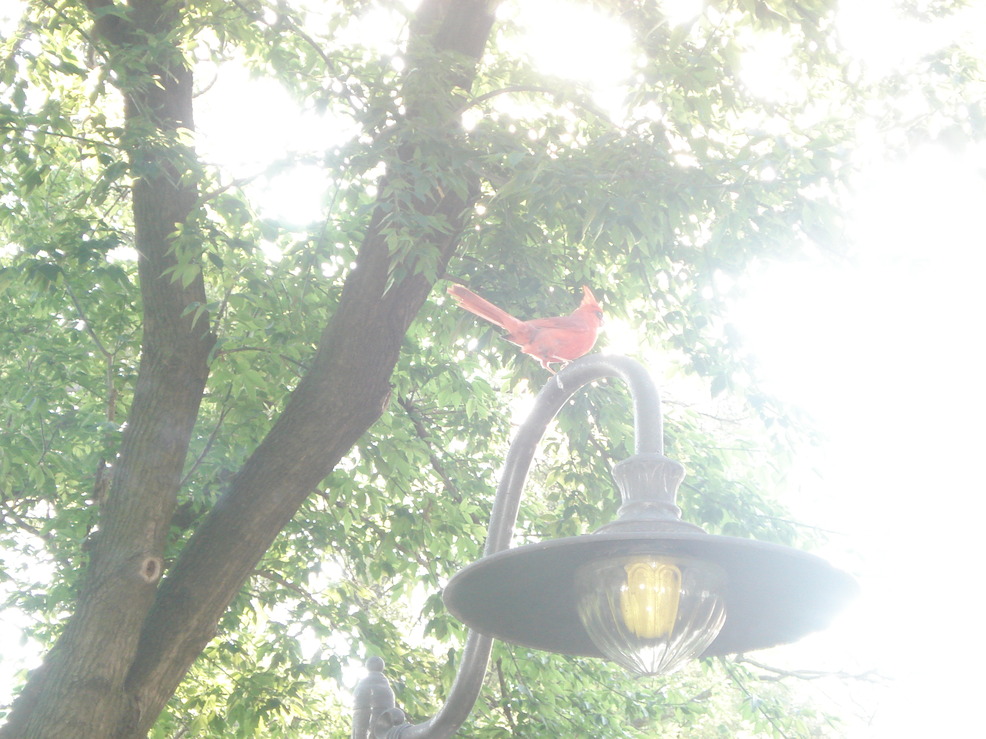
559,339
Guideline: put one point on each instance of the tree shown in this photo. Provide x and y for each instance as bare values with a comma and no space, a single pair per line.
221,456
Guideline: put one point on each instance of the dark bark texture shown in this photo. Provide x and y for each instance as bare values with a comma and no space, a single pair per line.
134,635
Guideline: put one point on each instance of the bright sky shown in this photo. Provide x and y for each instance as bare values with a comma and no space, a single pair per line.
887,355
886,352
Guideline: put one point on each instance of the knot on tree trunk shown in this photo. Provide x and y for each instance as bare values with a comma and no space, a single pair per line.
151,569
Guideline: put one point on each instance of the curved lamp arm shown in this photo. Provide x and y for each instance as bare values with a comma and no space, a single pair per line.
387,722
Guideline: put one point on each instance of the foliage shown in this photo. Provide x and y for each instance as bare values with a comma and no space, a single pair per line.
658,206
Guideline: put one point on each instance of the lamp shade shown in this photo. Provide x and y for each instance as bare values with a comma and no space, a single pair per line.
529,595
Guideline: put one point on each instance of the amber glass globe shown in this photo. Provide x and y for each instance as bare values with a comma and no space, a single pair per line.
651,614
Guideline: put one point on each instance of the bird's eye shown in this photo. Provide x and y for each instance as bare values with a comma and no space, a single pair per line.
599,314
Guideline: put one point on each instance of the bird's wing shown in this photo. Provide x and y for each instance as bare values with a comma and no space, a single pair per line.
565,323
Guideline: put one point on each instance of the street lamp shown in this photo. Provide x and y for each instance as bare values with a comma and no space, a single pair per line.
648,591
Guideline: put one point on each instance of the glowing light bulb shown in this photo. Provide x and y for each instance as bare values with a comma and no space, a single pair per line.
651,613
649,599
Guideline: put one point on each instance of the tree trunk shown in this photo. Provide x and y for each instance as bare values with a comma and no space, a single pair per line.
133,637
79,691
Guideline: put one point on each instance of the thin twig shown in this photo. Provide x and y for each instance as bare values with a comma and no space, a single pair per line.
754,702
288,21
58,134
286,358
504,703
473,102
86,324
212,438
274,577
238,182
414,414
14,516
577,102
779,674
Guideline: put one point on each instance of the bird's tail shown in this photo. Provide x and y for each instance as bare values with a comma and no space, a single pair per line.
483,308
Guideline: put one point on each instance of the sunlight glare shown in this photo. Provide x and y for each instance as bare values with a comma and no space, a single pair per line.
619,337
679,12
885,354
903,41
246,123
766,66
576,42
271,251
295,196
122,253
10,15
377,29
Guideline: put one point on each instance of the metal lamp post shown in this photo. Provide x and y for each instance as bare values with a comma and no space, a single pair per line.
648,590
